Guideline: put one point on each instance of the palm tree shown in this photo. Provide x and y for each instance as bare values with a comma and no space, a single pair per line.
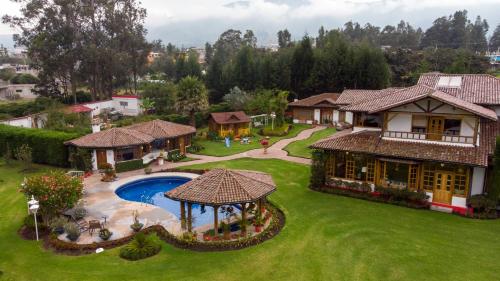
192,97
147,105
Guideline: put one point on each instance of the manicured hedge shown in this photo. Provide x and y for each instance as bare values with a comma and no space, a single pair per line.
129,165
48,146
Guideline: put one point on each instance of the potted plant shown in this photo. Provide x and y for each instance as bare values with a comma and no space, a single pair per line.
207,235
148,170
57,225
226,229
72,230
79,213
161,159
258,222
136,226
105,234
109,173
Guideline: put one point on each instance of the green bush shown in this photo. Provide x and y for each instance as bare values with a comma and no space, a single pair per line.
24,78
175,155
141,247
402,195
47,146
483,206
72,231
194,148
318,172
278,131
129,165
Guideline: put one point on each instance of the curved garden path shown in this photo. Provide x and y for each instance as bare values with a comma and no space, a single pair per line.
274,151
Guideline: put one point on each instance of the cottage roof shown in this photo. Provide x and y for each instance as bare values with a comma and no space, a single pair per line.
114,137
321,100
160,129
222,186
371,143
474,88
415,93
230,117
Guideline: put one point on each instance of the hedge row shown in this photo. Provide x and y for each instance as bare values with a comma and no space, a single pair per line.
129,165
47,146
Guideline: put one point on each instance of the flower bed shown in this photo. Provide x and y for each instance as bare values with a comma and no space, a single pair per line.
406,198
275,226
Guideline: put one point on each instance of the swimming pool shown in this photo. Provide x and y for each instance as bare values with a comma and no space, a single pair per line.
151,191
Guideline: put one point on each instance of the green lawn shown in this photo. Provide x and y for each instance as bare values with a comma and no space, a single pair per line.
326,237
301,148
214,148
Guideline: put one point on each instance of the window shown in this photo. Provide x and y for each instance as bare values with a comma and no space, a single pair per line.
452,127
124,103
330,162
19,91
368,120
370,170
428,177
339,165
397,174
460,183
125,154
349,168
419,124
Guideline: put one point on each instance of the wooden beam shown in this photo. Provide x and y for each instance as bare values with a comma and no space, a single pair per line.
428,105
438,106
216,220
183,215
420,107
190,217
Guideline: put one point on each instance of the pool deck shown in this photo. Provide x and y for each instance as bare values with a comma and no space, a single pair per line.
101,200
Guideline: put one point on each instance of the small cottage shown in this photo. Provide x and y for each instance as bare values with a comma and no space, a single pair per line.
224,124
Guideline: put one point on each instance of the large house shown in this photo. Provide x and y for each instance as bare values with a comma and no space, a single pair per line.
318,109
437,136
139,141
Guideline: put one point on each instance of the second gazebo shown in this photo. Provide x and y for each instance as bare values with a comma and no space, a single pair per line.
220,187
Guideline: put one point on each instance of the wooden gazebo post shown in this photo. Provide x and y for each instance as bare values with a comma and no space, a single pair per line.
189,218
216,220
244,217
183,215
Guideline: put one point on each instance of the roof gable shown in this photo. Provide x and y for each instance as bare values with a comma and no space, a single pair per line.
230,117
325,99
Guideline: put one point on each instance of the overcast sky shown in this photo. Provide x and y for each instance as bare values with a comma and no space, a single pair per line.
193,22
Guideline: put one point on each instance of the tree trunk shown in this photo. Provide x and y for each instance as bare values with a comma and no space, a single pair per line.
193,120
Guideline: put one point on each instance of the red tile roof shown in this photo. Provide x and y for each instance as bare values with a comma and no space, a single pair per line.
230,117
370,142
221,186
160,129
474,88
414,93
356,96
115,137
328,98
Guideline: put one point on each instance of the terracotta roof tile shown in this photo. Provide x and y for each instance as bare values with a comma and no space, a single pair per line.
474,88
311,101
221,186
371,143
230,117
355,96
114,137
160,129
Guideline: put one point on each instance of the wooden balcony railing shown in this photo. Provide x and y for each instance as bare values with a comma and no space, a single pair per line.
429,137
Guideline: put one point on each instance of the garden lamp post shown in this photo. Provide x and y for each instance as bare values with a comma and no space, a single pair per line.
273,115
33,208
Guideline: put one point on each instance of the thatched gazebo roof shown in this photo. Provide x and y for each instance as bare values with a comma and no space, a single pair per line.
221,187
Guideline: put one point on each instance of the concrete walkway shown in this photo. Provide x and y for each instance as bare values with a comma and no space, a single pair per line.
275,151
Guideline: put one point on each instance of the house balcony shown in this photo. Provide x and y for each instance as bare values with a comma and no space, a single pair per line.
430,137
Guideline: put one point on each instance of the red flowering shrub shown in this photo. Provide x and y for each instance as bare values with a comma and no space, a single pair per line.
55,192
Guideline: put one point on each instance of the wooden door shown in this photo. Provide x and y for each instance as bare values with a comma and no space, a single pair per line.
443,187
436,128
101,157
182,145
341,116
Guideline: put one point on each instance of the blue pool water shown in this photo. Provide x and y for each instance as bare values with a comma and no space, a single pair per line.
152,191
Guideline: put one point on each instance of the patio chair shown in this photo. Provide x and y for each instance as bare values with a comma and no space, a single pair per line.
93,225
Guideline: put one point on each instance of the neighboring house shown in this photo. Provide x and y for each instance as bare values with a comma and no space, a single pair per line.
229,124
139,141
13,91
437,136
126,105
152,56
29,121
318,109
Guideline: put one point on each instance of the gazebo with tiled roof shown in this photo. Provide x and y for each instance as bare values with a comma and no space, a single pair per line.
220,187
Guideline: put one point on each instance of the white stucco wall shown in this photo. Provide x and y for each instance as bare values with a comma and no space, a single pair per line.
317,115
477,185
349,117
458,201
400,122
25,122
335,116
132,107
110,157
94,160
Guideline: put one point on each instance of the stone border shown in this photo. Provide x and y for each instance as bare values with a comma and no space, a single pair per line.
277,223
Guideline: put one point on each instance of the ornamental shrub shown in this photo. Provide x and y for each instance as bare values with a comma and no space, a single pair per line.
483,206
56,192
129,165
47,146
494,187
72,231
141,247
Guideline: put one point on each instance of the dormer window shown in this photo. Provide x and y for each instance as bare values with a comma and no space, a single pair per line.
450,82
